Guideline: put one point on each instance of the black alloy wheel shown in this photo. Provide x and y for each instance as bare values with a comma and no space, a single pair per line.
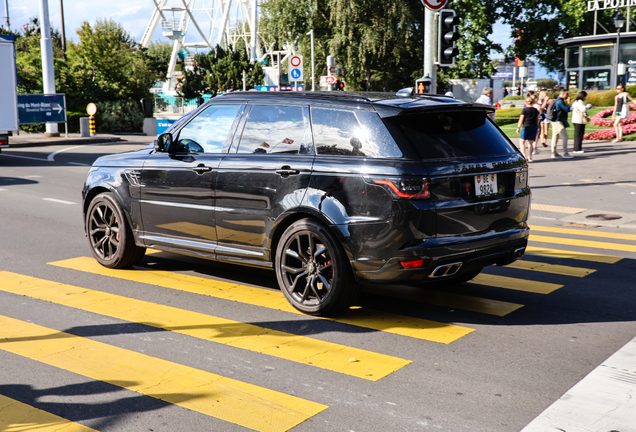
110,237
313,271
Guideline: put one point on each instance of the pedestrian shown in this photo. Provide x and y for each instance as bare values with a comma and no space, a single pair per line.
621,111
505,92
529,119
559,127
544,101
486,99
580,118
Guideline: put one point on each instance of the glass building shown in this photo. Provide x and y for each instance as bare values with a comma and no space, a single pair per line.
591,61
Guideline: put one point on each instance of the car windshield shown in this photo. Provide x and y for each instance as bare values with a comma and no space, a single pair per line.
450,134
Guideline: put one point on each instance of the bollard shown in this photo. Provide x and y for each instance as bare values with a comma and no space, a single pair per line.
91,121
85,126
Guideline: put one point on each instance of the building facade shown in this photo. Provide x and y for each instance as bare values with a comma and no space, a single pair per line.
592,62
506,70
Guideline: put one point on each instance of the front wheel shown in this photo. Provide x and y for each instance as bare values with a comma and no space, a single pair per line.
313,271
110,237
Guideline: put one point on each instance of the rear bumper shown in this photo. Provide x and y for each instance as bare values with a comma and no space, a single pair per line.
474,251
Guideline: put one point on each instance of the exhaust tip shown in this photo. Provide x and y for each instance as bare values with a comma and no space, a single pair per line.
446,270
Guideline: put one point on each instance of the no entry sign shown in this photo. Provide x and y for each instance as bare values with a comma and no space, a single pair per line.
434,4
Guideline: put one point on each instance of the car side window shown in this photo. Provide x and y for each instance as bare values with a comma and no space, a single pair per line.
276,129
208,131
339,132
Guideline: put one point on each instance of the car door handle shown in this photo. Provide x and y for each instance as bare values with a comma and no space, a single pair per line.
287,171
202,169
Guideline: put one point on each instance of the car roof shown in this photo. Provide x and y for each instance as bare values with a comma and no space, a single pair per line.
386,104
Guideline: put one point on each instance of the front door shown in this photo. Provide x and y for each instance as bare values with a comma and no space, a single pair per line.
177,194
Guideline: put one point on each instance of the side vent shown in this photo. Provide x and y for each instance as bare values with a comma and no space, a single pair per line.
134,177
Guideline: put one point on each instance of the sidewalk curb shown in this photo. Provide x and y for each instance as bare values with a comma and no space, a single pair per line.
64,141
626,220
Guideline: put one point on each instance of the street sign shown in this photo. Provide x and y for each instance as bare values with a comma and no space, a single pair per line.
296,67
39,108
434,4
331,79
333,69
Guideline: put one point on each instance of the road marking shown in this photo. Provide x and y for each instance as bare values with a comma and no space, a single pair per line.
551,268
17,416
556,209
584,243
58,201
582,256
79,164
448,299
376,320
515,284
583,232
326,355
214,395
51,157
24,157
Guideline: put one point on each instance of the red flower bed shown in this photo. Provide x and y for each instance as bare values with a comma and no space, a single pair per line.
629,125
598,118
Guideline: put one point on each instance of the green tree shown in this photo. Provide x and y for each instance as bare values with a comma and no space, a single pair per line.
219,70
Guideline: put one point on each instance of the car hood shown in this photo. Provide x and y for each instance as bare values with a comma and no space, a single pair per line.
129,159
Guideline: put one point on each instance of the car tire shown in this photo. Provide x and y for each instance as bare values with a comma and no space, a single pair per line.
109,235
313,270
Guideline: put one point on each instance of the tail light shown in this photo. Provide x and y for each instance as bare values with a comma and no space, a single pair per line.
405,187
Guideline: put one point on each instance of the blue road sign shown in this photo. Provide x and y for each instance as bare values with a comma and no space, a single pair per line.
296,74
39,108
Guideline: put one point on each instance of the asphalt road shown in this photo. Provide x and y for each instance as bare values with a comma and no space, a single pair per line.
193,345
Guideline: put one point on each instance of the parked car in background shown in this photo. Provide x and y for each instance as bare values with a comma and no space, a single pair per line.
331,191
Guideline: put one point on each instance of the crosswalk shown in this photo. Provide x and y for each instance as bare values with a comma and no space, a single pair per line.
582,253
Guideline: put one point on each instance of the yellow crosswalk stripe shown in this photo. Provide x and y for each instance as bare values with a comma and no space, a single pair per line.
326,355
551,268
583,232
448,299
581,256
204,392
515,284
376,320
16,416
584,243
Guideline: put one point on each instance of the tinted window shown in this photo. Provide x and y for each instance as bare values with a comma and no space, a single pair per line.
276,130
451,134
208,131
351,133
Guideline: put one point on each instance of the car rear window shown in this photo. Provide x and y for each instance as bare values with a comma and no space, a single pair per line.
450,134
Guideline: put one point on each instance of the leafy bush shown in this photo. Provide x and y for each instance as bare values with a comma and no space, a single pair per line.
601,99
119,116
507,116
515,98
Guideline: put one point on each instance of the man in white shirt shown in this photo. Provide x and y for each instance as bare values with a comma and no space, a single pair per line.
486,99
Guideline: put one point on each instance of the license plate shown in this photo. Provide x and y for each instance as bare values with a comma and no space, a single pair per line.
485,184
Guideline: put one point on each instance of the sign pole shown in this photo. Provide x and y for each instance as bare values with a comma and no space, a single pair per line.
430,38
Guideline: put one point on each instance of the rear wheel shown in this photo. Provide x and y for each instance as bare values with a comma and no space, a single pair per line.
110,237
313,271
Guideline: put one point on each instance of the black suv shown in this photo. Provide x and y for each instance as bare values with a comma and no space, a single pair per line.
329,190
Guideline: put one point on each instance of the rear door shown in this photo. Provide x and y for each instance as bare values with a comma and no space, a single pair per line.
478,177
265,175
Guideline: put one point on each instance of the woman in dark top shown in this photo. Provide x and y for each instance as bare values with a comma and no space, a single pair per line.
529,119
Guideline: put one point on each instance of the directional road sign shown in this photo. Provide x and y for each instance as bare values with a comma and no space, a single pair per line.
296,67
330,79
39,108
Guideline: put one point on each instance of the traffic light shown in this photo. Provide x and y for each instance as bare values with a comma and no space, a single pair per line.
447,52
423,85
340,85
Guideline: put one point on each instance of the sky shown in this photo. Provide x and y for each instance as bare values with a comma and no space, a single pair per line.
134,16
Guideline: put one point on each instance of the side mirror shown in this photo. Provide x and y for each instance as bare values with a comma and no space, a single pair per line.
163,142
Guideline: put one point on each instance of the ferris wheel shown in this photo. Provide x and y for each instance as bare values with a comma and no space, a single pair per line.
196,25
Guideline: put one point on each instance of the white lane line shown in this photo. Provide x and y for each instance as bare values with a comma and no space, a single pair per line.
58,201
2,190
602,401
51,157
24,157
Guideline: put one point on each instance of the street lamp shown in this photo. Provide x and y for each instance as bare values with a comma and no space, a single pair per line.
619,22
